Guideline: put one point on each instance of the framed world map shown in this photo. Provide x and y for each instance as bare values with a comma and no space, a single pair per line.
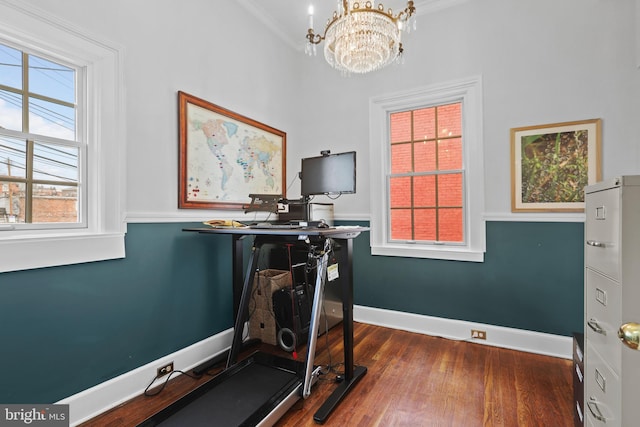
225,156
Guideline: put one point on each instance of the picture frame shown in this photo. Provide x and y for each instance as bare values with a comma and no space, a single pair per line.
225,156
551,164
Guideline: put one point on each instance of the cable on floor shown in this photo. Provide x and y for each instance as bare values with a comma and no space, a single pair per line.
164,384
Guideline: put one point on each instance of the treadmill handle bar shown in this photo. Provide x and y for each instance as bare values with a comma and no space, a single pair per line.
318,296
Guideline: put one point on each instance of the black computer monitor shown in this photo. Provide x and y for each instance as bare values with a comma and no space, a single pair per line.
331,174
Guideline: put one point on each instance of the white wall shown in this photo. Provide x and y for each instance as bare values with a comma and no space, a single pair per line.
209,49
542,61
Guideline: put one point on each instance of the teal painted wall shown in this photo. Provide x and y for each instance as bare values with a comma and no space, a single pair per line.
66,329
532,278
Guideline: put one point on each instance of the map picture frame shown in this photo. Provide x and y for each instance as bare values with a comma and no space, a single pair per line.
225,156
552,163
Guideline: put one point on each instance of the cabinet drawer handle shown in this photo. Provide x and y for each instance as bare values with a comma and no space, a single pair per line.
595,411
595,243
593,324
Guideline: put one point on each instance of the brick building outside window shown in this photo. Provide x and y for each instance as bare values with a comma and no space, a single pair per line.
426,183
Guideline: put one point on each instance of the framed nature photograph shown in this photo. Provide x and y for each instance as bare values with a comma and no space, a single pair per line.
551,165
225,156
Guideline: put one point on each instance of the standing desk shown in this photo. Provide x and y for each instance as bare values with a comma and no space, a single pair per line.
293,380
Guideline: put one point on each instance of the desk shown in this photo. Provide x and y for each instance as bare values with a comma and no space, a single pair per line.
338,241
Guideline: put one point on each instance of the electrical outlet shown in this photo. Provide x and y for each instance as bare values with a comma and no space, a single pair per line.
165,370
479,335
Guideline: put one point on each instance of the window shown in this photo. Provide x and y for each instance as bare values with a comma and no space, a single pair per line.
61,143
426,181
39,149
426,153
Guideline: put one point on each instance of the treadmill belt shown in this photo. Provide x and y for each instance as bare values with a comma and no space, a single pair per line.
242,396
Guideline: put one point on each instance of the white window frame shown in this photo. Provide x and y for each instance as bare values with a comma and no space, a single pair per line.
469,92
103,127
78,142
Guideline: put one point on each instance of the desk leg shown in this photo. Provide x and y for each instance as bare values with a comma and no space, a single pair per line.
353,374
237,265
243,307
338,394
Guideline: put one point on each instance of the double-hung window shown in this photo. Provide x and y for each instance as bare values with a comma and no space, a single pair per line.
427,157
62,142
40,147
426,177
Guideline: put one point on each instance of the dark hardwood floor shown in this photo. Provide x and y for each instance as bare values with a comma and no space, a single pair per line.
412,380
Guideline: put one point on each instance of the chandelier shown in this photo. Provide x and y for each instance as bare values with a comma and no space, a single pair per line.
361,38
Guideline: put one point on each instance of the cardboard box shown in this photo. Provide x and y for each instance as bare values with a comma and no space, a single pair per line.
262,323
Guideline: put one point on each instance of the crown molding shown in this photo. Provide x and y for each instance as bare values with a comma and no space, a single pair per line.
257,9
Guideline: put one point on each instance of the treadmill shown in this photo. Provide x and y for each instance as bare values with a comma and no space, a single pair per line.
257,391
260,389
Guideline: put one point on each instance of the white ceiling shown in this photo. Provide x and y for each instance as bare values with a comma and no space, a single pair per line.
289,18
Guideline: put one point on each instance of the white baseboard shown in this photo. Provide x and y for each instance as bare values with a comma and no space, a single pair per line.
96,400
91,402
515,339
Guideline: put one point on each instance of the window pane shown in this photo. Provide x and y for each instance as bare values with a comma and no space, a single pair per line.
400,192
449,122
55,163
424,191
11,202
50,119
450,225
40,181
10,67
51,80
450,190
401,224
450,154
13,157
424,124
401,158
10,111
54,203
425,227
425,153
427,205
400,127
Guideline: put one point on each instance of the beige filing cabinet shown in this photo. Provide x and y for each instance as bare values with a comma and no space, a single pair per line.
612,299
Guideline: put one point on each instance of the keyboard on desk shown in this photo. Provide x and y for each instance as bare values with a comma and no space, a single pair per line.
270,225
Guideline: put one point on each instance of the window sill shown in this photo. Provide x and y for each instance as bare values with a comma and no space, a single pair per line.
450,254
55,250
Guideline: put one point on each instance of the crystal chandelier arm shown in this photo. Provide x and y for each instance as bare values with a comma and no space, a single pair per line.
409,10
407,14
314,38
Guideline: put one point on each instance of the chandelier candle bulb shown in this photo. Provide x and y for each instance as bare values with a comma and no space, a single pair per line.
311,16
